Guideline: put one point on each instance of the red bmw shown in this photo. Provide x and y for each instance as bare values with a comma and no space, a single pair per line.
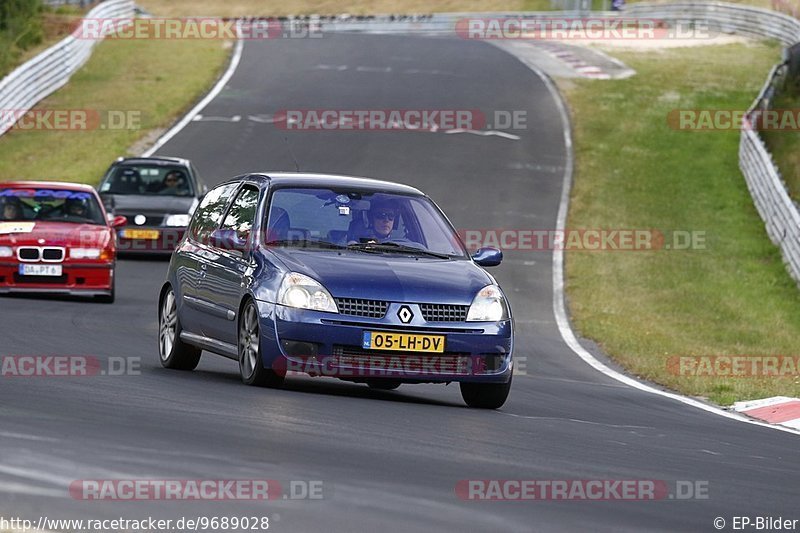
56,238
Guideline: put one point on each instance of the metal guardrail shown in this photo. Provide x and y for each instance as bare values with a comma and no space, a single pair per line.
768,190
731,18
52,69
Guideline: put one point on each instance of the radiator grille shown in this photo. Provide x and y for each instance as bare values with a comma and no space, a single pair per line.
444,312
359,307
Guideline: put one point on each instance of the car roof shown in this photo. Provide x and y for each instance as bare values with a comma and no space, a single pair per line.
62,185
305,179
154,160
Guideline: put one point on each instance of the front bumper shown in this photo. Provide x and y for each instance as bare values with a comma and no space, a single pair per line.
328,344
166,241
86,279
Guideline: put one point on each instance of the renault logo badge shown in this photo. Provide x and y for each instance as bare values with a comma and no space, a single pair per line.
405,315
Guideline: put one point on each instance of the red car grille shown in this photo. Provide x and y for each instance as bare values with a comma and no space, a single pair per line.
48,254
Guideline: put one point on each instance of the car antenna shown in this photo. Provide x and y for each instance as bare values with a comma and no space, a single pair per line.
289,147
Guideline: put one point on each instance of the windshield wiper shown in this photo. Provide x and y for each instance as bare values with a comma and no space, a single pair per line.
395,247
305,243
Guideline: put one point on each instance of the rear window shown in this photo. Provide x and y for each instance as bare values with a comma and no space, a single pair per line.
148,180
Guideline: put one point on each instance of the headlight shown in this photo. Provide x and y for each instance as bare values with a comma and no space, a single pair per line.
303,292
84,253
488,306
177,221
6,251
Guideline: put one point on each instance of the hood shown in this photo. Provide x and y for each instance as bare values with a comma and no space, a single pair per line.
391,277
55,234
126,203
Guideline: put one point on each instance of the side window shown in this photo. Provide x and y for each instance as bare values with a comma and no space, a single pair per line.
242,213
210,211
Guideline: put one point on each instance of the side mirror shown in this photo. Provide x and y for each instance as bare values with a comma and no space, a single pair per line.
227,239
118,222
488,257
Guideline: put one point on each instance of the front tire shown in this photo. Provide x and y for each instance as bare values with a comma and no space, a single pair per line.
251,365
485,395
173,352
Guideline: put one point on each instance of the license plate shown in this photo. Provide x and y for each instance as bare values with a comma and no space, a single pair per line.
142,234
40,270
404,342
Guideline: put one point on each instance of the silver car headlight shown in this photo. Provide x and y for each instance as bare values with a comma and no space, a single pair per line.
489,305
6,251
299,291
177,221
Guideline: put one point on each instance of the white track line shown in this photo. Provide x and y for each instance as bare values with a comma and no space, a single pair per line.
189,117
559,306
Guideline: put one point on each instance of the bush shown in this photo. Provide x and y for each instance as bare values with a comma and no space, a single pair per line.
20,28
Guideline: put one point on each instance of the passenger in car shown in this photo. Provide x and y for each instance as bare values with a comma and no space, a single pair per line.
12,210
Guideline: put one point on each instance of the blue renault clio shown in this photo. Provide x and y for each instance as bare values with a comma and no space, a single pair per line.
322,275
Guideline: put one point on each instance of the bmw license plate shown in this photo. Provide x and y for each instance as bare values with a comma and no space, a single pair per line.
404,342
40,270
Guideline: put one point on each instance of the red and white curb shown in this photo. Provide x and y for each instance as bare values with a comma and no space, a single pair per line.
577,64
779,410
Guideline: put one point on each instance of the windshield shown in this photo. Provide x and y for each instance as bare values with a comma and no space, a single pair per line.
40,204
147,180
365,220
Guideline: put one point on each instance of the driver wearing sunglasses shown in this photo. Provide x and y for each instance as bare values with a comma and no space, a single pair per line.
382,216
382,221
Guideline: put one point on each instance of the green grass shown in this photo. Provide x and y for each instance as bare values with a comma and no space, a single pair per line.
633,171
158,79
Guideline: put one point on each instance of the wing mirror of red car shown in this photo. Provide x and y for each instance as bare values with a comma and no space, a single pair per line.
118,222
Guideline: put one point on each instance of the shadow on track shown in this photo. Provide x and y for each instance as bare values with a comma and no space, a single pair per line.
305,385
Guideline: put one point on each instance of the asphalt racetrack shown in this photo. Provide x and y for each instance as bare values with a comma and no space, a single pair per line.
388,461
